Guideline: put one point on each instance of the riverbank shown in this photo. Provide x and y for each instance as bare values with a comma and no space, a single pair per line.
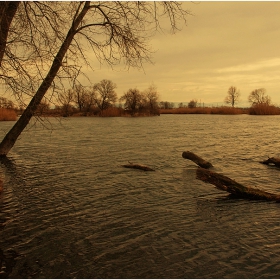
260,109
206,110
8,114
12,115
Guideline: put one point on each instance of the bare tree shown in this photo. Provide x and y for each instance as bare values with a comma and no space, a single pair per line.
192,104
90,101
257,97
132,100
105,95
166,105
80,97
152,98
43,107
232,96
66,99
40,34
7,104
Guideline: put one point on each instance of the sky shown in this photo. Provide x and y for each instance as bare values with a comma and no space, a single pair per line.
224,44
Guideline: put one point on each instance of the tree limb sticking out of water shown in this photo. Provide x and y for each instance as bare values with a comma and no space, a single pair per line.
196,159
226,184
138,166
273,160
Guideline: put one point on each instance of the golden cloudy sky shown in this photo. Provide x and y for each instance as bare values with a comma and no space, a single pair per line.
224,44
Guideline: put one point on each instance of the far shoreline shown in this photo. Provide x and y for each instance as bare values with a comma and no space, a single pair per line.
261,109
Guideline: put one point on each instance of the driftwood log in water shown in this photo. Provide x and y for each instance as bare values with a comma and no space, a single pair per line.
138,166
226,184
196,159
273,160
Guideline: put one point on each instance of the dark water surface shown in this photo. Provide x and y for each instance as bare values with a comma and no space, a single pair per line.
69,210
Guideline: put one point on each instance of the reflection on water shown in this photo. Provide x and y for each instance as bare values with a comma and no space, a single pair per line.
69,210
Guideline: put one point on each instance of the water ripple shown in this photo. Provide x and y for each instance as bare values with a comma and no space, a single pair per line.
70,210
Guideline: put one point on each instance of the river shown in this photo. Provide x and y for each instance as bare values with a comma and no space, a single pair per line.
70,210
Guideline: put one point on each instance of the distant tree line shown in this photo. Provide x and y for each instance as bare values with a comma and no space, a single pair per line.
101,100
6,103
260,102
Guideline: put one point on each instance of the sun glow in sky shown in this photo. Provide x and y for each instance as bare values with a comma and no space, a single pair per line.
224,44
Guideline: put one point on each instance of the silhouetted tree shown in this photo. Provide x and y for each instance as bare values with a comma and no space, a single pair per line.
232,96
36,36
90,101
105,95
181,105
66,99
192,104
84,99
132,100
166,105
258,96
80,97
152,97
44,107
6,103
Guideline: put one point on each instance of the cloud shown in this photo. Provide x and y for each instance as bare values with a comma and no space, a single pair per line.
258,65
225,43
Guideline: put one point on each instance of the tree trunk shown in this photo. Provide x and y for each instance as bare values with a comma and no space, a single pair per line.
196,159
226,184
7,13
11,137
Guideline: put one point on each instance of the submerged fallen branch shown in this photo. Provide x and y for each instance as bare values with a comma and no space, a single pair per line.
273,160
226,184
196,159
138,166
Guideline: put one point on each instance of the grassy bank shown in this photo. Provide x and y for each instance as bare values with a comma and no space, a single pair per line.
206,110
264,109
260,109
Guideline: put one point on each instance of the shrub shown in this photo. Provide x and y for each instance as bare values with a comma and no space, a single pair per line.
112,112
264,109
192,104
226,110
7,115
